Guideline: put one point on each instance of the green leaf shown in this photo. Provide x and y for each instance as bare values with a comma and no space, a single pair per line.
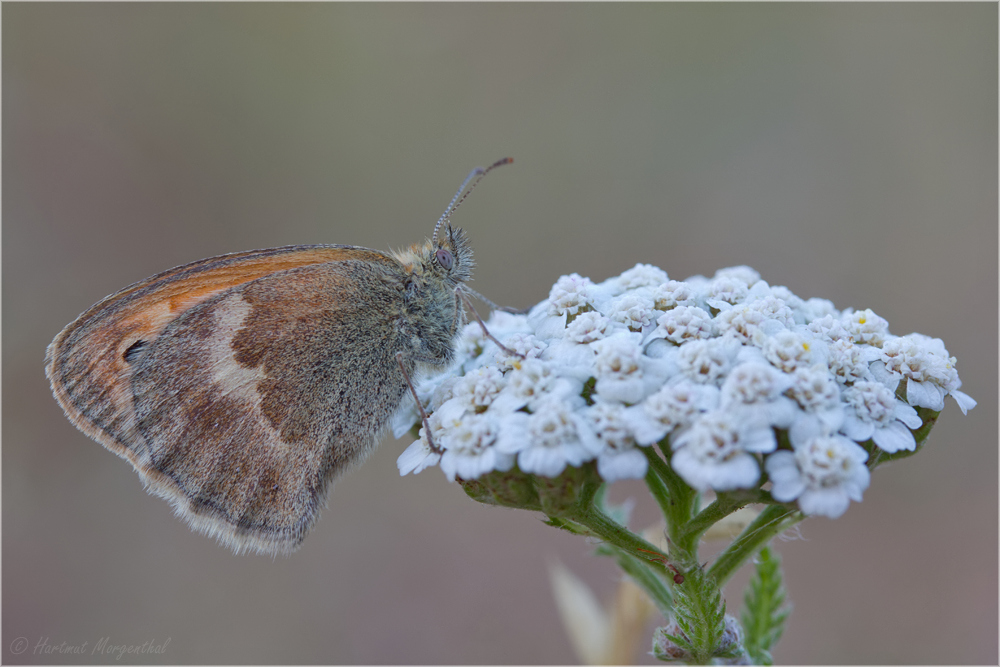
765,612
700,613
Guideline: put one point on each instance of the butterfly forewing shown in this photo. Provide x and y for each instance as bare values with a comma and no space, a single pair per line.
254,360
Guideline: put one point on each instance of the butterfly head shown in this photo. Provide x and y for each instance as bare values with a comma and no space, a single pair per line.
448,258
452,255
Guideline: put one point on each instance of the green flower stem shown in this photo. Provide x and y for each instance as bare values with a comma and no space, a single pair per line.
724,505
678,507
657,486
602,526
770,522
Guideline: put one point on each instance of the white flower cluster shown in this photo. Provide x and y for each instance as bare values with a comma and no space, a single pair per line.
715,365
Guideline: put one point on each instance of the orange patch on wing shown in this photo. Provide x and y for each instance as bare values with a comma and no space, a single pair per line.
170,294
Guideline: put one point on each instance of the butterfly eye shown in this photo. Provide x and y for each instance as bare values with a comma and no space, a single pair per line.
444,258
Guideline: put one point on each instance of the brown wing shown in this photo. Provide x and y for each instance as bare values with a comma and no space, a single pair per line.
217,379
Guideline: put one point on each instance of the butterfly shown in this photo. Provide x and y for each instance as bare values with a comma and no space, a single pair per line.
241,386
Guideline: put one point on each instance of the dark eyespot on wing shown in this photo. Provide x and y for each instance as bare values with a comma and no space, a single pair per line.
133,351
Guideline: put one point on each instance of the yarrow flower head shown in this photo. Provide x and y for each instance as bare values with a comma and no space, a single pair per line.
685,323
550,439
866,327
642,275
756,389
739,383
468,448
634,310
717,452
708,361
874,412
726,291
928,370
674,293
617,456
618,365
569,295
588,327
675,406
824,474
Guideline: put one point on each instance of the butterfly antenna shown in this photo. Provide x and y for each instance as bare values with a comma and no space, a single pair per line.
478,174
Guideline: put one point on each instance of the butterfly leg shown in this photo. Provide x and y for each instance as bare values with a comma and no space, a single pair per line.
420,407
460,291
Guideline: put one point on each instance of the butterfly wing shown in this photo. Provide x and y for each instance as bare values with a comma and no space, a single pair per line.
240,386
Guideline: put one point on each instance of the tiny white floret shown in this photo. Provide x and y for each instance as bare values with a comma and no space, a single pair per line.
873,412
618,458
864,326
716,452
570,294
824,475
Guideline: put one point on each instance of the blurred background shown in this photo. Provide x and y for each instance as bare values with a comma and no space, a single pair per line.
846,151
